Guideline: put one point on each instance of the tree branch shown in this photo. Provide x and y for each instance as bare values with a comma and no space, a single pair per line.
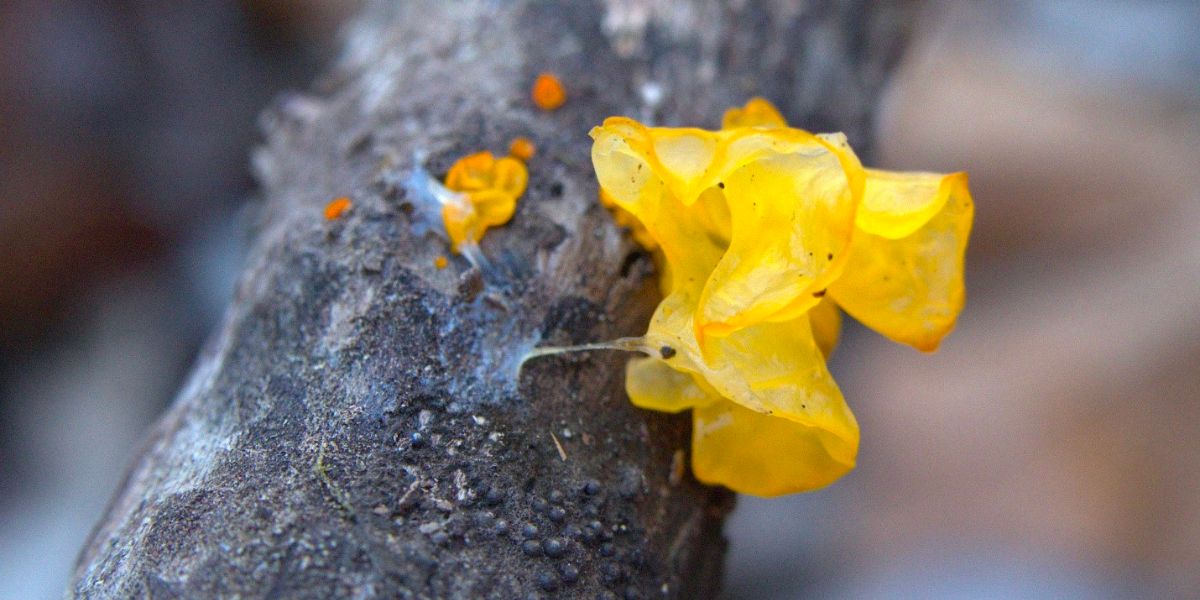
356,428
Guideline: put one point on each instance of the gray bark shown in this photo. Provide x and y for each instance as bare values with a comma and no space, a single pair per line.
354,429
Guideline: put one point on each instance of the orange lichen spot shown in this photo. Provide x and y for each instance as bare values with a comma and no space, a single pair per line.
548,92
522,148
488,188
336,208
440,262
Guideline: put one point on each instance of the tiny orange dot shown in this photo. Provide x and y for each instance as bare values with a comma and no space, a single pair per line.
548,92
336,208
440,262
522,148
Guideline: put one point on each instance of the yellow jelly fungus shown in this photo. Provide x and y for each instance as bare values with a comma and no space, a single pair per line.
625,219
522,148
336,208
765,231
488,189
758,112
548,92
440,262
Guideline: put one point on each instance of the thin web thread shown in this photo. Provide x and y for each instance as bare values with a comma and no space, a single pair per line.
629,344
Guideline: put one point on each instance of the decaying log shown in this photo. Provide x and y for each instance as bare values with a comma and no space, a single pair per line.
356,428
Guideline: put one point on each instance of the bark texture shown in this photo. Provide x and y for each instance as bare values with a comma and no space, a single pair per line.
356,429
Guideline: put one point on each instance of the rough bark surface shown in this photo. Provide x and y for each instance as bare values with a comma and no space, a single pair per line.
356,428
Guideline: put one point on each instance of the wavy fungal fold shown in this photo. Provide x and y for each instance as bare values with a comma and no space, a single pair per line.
764,234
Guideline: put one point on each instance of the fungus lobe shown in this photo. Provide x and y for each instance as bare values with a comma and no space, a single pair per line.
762,232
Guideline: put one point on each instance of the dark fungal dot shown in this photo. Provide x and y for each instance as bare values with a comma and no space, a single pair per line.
592,487
531,548
569,572
591,532
485,519
829,256
819,293
721,184
422,559
610,572
547,581
556,189
667,352
494,496
529,530
554,547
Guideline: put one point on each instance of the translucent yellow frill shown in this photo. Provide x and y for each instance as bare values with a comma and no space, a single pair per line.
763,228
489,188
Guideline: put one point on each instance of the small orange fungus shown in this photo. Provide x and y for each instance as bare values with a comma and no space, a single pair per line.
440,262
336,208
522,148
548,92
489,189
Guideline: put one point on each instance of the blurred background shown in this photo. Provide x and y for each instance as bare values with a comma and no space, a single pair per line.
125,192
1050,449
